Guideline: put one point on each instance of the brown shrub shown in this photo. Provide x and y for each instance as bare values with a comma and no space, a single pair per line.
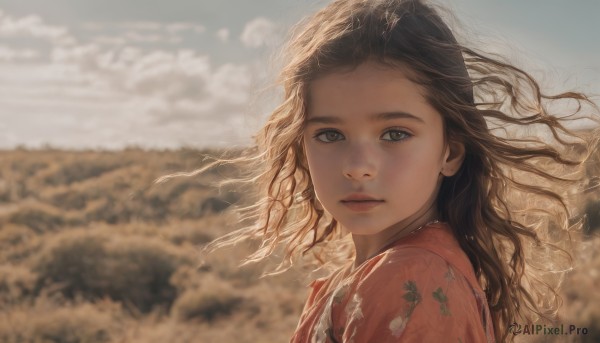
139,270
17,243
69,199
191,233
80,323
74,259
592,211
206,305
16,284
108,209
12,235
82,166
134,270
214,299
37,216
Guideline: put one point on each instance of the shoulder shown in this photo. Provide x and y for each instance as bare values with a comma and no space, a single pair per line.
409,293
403,264
407,278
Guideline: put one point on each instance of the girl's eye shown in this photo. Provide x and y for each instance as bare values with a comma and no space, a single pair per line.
396,135
329,134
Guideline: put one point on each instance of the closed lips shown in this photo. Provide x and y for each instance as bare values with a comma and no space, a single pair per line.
362,200
359,200
360,197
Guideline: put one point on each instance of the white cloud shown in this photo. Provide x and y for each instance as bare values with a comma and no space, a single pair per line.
133,36
34,26
182,27
258,32
168,108
169,27
131,25
230,83
142,32
223,35
131,94
8,54
113,89
109,40
138,25
185,86
75,56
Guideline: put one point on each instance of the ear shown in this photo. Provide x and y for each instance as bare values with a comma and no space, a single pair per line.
453,158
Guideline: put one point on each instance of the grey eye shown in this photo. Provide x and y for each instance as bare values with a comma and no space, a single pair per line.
330,136
397,135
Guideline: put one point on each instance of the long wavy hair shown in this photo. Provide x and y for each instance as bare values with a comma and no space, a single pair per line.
512,203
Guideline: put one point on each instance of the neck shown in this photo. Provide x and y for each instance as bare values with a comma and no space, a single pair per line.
367,246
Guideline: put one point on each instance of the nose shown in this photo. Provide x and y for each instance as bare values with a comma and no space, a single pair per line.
360,164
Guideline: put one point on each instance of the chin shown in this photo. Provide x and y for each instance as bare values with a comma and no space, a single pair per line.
361,231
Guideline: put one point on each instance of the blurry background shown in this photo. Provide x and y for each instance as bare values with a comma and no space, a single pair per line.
109,74
91,95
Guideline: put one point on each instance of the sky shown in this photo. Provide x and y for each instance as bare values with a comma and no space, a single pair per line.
88,74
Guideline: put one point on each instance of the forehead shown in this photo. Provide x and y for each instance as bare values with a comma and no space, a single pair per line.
368,90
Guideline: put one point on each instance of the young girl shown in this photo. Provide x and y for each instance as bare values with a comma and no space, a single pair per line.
395,158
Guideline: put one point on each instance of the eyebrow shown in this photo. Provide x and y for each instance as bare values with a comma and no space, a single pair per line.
374,117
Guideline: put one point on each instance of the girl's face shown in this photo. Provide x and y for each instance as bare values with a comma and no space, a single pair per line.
371,131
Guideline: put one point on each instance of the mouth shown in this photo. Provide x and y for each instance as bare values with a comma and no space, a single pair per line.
361,205
349,201
360,197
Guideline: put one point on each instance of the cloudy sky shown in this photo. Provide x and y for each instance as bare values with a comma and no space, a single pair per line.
108,74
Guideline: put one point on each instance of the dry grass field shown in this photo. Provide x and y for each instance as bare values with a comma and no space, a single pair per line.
91,252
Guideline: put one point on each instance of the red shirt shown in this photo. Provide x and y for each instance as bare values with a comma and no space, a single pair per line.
421,289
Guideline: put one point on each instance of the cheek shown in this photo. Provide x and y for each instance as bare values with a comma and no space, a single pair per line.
311,158
322,172
320,167
411,171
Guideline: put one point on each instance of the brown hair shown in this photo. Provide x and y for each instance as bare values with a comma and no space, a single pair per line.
508,204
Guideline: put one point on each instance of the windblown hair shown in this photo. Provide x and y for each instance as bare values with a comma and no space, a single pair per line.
510,204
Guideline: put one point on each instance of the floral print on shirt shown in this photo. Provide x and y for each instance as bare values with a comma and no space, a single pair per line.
409,293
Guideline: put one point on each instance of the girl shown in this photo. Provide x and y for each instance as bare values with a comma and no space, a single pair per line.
387,161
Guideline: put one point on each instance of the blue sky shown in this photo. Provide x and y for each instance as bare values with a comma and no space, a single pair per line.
107,74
